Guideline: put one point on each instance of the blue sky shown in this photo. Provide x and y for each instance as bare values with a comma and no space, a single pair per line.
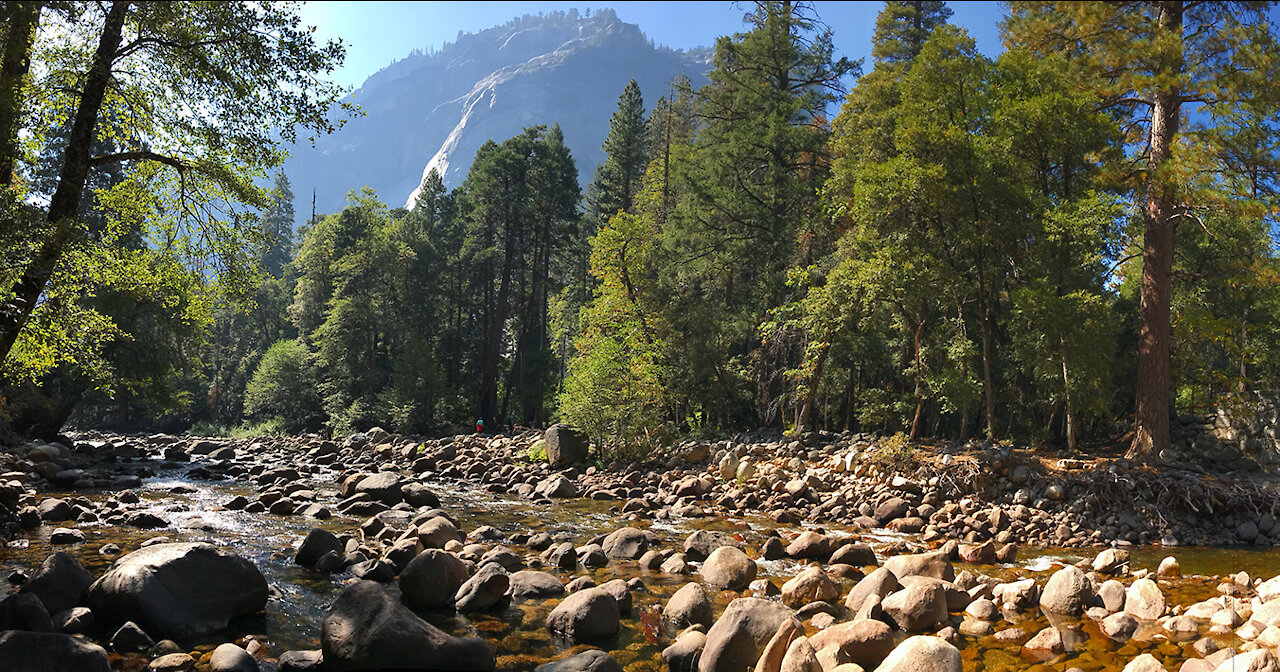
377,33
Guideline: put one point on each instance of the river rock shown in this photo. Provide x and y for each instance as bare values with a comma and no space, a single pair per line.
689,606
66,535
919,607
529,584
735,641
857,555
24,611
1119,626
800,657
48,652
483,591
383,486
1144,600
416,494
1147,663
587,615
878,583
700,544
1067,592
811,585
891,509
300,661
231,658
315,545
432,579
810,545
923,654
74,621
173,662
594,660
933,565
728,567
437,532
864,642
54,510
368,629
179,589
775,649
566,445
1111,594
627,543
1111,562
1261,660
683,654
130,638
1047,641
556,487
60,583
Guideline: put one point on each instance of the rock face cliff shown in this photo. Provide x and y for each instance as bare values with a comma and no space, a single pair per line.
435,110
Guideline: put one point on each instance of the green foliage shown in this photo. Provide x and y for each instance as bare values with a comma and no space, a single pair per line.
283,388
903,26
894,452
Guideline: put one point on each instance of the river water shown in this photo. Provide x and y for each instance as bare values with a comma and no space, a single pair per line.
300,596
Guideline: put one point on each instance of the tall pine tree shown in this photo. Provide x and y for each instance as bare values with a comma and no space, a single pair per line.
903,26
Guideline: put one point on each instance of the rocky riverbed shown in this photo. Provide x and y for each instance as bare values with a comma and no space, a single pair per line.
387,552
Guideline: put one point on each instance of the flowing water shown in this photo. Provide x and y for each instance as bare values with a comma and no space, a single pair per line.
300,596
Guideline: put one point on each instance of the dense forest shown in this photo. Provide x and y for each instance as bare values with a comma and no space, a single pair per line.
1066,244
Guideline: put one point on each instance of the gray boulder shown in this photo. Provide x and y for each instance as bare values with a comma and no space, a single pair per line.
594,660
231,658
317,543
689,606
60,583
728,567
530,584
49,652
24,611
921,653
179,589
734,643
432,579
383,486
1067,592
367,629
627,543
587,615
483,591
566,445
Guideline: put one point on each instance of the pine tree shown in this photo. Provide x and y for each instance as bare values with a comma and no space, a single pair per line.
1145,61
277,228
903,26
618,179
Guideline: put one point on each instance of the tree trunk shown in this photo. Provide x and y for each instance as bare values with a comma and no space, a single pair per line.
22,19
915,422
1066,396
988,385
1151,415
66,199
806,405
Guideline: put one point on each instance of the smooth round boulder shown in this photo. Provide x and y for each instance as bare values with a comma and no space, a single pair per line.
529,584
60,583
367,629
923,653
231,658
728,568
857,555
432,579
811,585
1067,592
689,606
24,611
934,565
878,583
315,545
684,652
383,486
736,640
594,660
437,532
810,545
173,662
50,652
919,607
179,590
483,591
864,642
587,615
627,543
1144,600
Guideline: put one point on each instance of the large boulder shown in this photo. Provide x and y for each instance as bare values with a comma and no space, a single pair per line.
934,565
367,629
231,658
879,583
566,445
383,486
1144,600
60,583
863,642
728,567
48,652
689,606
734,643
811,585
627,543
179,590
587,615
530,584
24,611
483,591
438,531
432,579
1067,592
317,543
923,653
919,607
594,660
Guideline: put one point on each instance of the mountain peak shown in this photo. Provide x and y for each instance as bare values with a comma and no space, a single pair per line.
433,110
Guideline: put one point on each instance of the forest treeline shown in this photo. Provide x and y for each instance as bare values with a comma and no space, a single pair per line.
1030,246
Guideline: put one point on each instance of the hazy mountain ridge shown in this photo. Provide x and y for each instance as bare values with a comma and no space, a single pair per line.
437,109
